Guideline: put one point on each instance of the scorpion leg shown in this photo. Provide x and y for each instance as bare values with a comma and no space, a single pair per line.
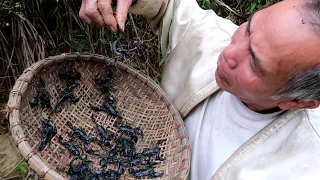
97,108
74,100
117,48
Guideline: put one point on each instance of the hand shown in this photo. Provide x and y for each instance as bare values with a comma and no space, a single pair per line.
100,12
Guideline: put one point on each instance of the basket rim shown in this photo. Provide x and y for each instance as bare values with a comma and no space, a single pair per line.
30,155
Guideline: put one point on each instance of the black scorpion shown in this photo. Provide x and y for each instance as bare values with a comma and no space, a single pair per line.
153,151
70,78
149,171
80,171
70,145
114,174
64,96
42,98
105,136
127,147
112,156
108,108
126,129
49,131
80,133
103,82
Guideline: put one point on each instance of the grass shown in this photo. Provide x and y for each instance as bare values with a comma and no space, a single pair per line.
4,95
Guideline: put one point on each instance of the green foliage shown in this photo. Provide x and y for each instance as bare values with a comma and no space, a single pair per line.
9,6
205,4
22,169
238,9
255,5
158,79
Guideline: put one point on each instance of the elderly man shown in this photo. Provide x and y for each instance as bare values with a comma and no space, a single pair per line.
248,94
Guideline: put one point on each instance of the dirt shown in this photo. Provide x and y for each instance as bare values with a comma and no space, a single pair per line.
9,155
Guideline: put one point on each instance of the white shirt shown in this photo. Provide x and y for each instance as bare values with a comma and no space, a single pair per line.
217,128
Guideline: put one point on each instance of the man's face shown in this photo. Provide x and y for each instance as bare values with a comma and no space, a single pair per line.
265,52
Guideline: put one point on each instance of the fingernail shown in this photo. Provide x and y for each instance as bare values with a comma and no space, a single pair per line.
122,26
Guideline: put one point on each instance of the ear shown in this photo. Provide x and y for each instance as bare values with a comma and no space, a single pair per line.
298,104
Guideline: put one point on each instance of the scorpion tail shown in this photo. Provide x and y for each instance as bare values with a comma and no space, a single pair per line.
60,139
71,162
70,125
118,121
93,120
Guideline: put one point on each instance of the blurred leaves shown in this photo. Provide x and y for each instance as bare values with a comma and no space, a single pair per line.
10,159
236,10
23,168
206,4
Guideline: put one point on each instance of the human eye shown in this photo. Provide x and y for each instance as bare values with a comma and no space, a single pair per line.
251,59
248,29
252,63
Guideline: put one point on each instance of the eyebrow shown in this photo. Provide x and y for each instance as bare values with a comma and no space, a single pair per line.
249,21
256,61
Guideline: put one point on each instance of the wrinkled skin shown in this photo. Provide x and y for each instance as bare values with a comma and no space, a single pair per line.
283,45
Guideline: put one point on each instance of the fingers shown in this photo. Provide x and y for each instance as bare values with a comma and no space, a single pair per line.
122,11
82,13
91,11
106,11
100,12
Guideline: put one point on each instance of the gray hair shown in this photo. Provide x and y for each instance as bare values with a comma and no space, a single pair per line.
311,9
303,85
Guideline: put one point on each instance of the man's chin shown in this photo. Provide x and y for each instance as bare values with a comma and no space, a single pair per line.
224,88
220,84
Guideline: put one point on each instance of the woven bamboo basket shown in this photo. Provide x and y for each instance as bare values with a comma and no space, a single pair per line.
139,100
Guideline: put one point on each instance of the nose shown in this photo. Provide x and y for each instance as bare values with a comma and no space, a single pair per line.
230,55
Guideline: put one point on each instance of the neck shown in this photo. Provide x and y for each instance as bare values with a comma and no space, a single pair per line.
262,109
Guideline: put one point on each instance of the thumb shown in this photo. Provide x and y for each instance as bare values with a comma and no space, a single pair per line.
122,11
